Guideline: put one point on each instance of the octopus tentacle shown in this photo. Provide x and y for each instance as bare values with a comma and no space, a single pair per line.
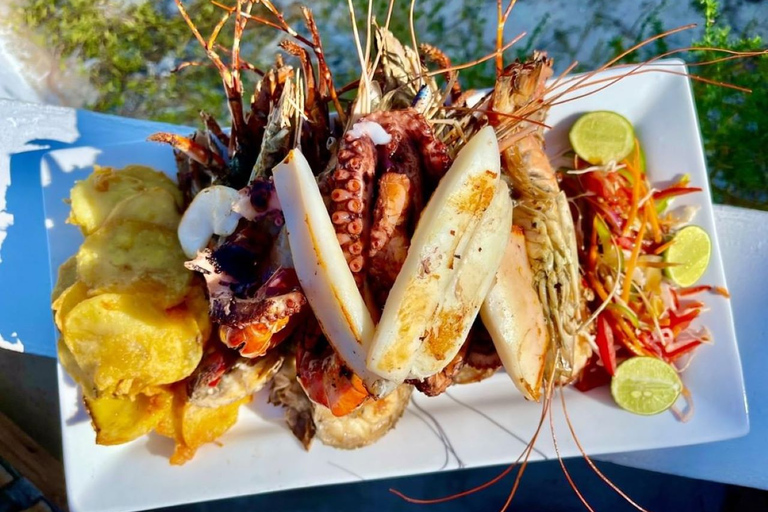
391,210
386,264
437,384
409,124
351,198
406,146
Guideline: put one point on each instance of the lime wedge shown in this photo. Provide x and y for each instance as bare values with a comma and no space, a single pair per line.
690,251
645,385
601,137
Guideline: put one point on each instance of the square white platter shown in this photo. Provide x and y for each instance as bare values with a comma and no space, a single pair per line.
260,454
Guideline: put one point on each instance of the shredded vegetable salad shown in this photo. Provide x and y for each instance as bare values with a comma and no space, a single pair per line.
625,228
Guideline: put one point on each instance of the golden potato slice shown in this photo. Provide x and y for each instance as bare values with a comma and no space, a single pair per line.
125,343
197,303
94,198
67,276
135,257
70,366
170,424
68,299
201,425
154,206
120,420
153,178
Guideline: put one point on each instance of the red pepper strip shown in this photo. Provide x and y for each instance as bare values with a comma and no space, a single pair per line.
680,323
693,290
605,344
673,192
687,316
625,243
674,354
593,376
675,298
704,288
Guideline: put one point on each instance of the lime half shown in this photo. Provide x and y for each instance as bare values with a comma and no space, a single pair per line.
690,251
645,385
601,137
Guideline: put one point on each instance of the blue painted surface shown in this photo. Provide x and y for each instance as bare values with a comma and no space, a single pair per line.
23,272
25,282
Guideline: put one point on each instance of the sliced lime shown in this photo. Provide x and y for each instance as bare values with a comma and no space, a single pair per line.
645,385
601,137
690,251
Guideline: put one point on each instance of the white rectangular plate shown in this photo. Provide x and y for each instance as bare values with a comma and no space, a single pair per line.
259,454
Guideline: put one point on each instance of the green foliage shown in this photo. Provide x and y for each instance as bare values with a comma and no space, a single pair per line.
128,50
734,124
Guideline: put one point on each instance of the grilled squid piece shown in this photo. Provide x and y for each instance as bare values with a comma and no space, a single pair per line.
514,318
454,253
322,268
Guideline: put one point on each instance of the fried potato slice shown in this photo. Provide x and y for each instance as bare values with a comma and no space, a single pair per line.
70,366
93,199
120,420
192,426
67,276
153,178
153,206
124,343
197,303
68,299
135,257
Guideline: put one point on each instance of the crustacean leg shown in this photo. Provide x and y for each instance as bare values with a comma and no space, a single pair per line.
223,377
322,374
436,55
192,149
256,325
